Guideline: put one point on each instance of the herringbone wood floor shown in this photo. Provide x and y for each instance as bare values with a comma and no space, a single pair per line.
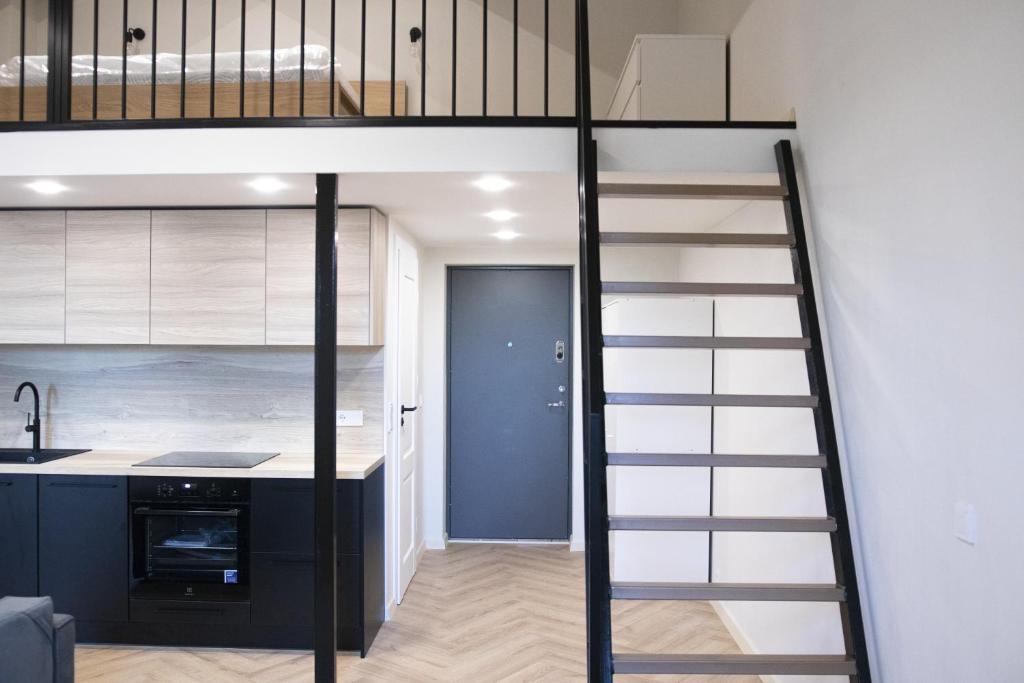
473,614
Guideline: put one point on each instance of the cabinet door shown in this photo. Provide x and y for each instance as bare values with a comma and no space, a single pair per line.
354,277
282,589
291,278
18,523
83,545
362,276
108,277
209,277
32,277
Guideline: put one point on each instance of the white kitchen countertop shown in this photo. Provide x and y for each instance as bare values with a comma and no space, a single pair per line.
120,463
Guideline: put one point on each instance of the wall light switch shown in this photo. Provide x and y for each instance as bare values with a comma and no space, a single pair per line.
350,418
965,522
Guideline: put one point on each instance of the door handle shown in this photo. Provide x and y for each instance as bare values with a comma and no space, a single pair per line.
556,404
407,409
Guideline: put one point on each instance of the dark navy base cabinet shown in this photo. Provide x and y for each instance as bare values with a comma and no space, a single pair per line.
19,572
68,537
83,546
282,558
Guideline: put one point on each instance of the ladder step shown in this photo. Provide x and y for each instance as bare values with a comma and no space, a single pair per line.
767,592
687,191
782,665
703,288
656,342
716,400
658,523
699,239
714,460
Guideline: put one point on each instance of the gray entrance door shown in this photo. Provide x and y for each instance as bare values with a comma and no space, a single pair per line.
509,398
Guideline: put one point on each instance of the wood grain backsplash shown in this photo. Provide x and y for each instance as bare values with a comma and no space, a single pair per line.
185,398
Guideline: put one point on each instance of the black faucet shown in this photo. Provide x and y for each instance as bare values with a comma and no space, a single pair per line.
33,423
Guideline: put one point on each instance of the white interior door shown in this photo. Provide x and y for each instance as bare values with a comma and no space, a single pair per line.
408,420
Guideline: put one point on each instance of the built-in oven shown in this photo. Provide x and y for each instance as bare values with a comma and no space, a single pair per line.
190,539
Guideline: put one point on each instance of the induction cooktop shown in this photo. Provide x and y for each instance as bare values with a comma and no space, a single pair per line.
206,459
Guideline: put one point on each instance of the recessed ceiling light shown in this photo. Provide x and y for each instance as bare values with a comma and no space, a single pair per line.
501,215
506,235
46,187
493,183
267,185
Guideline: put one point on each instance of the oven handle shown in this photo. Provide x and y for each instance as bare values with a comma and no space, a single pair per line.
187,513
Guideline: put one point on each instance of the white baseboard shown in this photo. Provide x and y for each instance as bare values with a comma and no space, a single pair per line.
389,610
738,635
577,546
434,543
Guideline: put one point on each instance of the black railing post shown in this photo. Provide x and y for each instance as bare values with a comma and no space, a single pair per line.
325,467
595,458
835,501
58,49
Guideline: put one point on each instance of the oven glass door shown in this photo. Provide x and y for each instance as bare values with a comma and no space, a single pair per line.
194,545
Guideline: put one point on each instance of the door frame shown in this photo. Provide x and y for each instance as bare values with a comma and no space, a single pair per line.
571,341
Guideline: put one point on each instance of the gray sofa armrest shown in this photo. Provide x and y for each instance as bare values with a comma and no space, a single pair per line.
63,648
26,639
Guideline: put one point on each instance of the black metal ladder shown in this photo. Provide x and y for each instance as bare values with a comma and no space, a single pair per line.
601,591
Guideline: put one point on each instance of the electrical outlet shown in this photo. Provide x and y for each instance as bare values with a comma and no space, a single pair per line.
349,418
965,522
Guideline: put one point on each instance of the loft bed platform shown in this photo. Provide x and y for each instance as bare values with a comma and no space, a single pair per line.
170,98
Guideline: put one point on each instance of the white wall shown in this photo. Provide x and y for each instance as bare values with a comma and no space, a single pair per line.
911,139
433,269
717,17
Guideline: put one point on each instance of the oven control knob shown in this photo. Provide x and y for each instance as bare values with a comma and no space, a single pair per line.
213,491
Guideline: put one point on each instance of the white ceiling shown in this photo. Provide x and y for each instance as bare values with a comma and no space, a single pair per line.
437,208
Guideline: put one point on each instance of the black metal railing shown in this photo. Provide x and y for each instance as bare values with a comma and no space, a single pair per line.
333,60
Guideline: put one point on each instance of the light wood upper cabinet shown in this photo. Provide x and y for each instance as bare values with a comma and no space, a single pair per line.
362,276
209,277
108,277
32,277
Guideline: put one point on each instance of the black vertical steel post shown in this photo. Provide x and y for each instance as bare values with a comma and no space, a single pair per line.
325,469
95,56
58,82
334,40
241,65
455,46
515,57
547,51
302,58
595,456
483,106
152,63
394,46
362,61
273,51
423,58
124,60
832,477
213,57
184,46
21,66
711,450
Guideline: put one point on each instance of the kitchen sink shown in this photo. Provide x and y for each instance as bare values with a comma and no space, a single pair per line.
28,456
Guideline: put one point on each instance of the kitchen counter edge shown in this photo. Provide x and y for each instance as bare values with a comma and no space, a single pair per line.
120,463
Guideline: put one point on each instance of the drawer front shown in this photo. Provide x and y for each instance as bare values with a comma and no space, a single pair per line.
282,516
188,612
282,590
